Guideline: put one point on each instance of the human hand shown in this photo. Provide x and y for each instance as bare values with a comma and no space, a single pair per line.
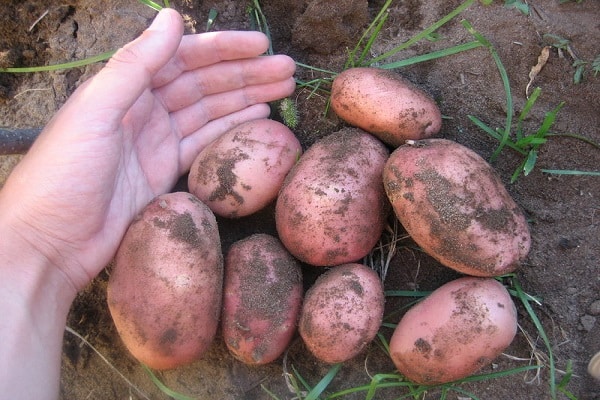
129,133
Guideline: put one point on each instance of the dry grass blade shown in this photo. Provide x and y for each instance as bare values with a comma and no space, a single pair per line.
537,68
84,340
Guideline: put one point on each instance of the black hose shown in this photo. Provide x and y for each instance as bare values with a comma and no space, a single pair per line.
17,141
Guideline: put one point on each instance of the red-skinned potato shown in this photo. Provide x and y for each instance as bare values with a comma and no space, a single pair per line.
342,312
165,289
385,104
332,207
262,299
241,172
458,329
455,206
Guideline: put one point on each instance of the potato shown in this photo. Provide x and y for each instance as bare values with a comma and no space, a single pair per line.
342,312
384,104
332,207
454,205
165,289
241,172
262,298
455,331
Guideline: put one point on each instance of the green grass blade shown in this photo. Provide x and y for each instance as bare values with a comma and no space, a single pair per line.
538,325
374,29
570,172
212,16
549,119
482,125
55,67
530,162
576,136
165,389
526,109
323,383
432,56
300,378
351,62
505,82
154,5
425,33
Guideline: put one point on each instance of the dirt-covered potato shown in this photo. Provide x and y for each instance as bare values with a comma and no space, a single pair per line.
458,329
262,298
165,289
342,312
385,104
455,206
332,207
242,171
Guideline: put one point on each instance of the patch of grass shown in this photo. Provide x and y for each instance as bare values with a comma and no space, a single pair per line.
358,56
526,144
580,66
164,388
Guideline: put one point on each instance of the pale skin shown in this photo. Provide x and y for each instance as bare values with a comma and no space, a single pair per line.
122,138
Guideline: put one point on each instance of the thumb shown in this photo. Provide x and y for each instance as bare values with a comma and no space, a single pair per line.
130,70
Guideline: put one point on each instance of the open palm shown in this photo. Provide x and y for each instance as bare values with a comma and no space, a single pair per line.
130,132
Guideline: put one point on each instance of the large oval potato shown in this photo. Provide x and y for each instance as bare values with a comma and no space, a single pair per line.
454,205
165,289
262,298
241,172
385,104
342,312
332,207
459,328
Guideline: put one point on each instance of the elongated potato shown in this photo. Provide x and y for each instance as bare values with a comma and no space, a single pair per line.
165,289
332,207
385,104
262,298
454,205
342,312
458,329
242,171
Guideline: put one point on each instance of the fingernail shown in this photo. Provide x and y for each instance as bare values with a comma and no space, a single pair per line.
161,21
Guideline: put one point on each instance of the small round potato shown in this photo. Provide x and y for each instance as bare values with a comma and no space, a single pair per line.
455,206
165,289
241,172
342,312
262,298
332,207
385,104
459,328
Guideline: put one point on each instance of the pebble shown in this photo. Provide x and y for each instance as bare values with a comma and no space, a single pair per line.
587,321
594,308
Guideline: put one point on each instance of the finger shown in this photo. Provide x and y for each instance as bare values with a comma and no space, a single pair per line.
223,77
204,49
214,106
109,95
192,145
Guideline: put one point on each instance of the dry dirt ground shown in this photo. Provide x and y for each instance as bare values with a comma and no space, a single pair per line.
563,268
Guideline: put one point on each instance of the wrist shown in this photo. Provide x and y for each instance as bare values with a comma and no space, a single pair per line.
27,271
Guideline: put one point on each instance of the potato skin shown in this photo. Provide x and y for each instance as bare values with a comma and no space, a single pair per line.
241,172
332,207
342,312
262,299
459,328
165,289
455,206
385,104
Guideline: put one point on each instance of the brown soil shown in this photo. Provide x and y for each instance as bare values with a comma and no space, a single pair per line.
563,267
